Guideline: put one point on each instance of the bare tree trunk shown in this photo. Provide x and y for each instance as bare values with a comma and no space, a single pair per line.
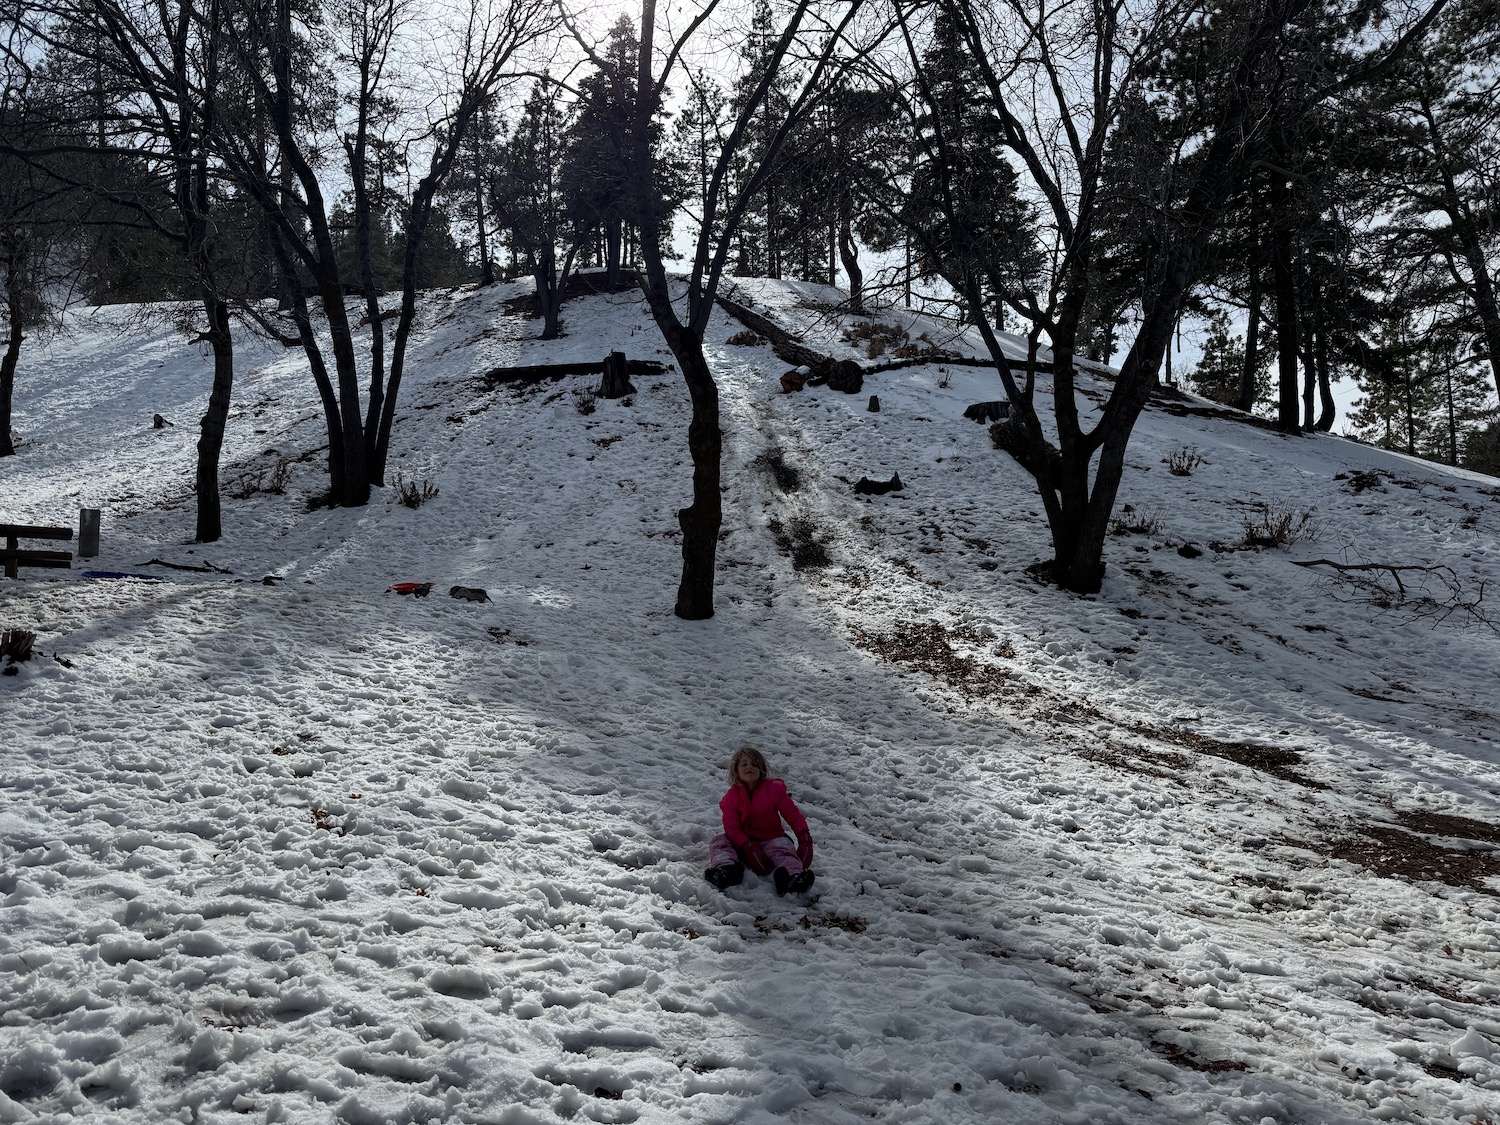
194,206
1484,297
1249,372
1465,226
906,272
1452,414
365,252
214,422
849,254
700,521
613,237
1411,418
351,488
1328,409
13,338
549,297
486,265
773,249
215,418
1309,374
1286,333
296,298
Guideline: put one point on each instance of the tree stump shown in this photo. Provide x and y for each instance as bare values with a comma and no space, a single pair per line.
846,376
88,533
994,411
867,487
793,381
874,404
616,381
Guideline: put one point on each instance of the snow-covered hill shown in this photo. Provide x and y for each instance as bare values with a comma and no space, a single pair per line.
1219,844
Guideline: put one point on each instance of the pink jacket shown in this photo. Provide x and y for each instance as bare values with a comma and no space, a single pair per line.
750,818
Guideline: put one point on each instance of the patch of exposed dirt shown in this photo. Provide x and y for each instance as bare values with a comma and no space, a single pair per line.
773,463
854,925
1394,853
1438,1068
1134,759
928,647
798,538
1274,760
1448,824
1179,1057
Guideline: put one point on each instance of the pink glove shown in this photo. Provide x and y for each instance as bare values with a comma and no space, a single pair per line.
804,850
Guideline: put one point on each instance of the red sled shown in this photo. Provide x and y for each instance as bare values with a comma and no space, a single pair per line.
419,589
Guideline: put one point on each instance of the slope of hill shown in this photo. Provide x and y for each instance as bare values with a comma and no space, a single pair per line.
1217,845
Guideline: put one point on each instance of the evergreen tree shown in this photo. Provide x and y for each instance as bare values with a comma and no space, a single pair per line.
759,253
528,200
1438,116
1218,373
970,225
596,175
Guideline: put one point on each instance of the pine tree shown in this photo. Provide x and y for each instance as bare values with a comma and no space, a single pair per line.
1439,120
528,200
1218,373
967,217
597,177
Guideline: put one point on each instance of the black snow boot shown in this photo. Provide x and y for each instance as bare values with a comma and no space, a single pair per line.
801,881
730,875
783,879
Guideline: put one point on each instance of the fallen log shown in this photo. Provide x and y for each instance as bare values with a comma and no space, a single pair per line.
947,361
541,372
786,346
206,568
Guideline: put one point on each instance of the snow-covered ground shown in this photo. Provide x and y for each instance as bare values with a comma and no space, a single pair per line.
1217,845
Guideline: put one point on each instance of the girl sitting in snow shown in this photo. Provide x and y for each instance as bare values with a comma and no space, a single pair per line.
753,811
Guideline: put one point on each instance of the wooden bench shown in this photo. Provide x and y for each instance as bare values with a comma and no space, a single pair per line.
14,558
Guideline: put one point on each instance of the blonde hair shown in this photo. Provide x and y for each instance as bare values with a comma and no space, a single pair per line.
755,758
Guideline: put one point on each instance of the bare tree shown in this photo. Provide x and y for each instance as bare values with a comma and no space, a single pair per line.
809,42
135,90
24,226
1059,79
289,186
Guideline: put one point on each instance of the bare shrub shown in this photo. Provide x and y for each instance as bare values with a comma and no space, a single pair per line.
1182,462
271,479
1131,522
873,332
1278,525
15,645
585,403
413,493
1360,480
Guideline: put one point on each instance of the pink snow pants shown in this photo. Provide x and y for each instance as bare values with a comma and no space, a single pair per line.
780,851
